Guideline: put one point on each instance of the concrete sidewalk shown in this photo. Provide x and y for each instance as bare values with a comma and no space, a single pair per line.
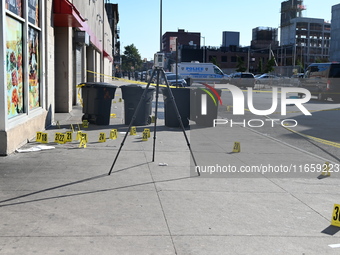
62,200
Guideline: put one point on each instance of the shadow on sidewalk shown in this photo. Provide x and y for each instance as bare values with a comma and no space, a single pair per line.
2,203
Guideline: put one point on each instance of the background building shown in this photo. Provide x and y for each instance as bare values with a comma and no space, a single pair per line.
230,38
307,38
264,37
191,39
335,34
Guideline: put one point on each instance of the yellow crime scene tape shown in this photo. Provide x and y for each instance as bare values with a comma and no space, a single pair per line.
79,86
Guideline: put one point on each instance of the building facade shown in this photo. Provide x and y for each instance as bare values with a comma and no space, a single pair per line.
230,38
183,38
307,38
47,47
264,38
334,51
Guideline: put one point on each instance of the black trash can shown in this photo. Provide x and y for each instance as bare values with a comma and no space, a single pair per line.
204,109
97,99
182,100
132,94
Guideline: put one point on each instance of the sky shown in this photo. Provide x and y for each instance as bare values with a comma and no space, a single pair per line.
139,20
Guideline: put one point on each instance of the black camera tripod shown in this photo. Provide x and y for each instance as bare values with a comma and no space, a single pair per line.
159,71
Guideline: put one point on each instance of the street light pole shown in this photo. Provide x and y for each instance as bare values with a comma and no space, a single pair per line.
203,48
160,28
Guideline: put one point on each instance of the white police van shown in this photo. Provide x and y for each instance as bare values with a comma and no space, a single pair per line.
200,72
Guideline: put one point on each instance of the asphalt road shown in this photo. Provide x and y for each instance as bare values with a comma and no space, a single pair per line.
318,134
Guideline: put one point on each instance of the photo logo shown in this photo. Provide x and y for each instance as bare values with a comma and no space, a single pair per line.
213,95
238,100
239,107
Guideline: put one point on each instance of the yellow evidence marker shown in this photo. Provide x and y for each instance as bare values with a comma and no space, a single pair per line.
44,138
85,123
69,136
78,138
145,136
237,147
38,137
148,131
336,215
133,131
102,137
56,137
113,134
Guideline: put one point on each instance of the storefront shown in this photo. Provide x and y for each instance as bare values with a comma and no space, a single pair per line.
22,93
44,61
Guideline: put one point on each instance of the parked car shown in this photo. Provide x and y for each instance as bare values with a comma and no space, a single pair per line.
171,77
268,79
242,80
323,80
295,80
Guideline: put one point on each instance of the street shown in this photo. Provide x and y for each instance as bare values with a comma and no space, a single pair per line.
322,126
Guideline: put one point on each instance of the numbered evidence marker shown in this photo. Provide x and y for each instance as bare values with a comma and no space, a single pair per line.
38,137
145,136
83,140
41,137
85,123
133,131
237,147
60,138
69,136
102,138
78,137
148,131
336,215
113,134
44,138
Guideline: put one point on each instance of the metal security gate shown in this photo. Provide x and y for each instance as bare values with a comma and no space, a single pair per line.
78,69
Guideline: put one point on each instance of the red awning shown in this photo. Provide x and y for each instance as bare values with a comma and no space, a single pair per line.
66,14
107,55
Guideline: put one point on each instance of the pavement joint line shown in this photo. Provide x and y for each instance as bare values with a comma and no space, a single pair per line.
161,204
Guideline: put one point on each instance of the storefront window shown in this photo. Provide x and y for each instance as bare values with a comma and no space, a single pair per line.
33,68
14,68
33,12
14,6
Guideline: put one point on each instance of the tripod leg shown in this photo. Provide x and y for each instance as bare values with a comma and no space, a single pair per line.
132,120
180,121
156,114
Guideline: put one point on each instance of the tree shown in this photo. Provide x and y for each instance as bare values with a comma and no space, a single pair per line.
214,61
131,60
270,66
260,66
240,65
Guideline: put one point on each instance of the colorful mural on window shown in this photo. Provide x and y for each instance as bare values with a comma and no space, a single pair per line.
33,68
14,6
33,12
14,72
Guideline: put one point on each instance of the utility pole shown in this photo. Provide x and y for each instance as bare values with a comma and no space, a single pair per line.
160,28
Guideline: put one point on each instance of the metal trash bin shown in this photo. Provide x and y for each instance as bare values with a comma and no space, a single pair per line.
97,100
132,94
182,100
